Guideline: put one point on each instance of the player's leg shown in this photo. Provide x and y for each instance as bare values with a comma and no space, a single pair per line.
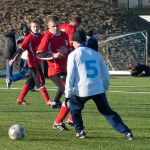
39,83
57,98
22,73
64,110
9,71
25,89
76,106
59,81
111,116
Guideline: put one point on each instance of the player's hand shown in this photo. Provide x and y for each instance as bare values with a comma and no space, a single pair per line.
58,55
66,101
11,61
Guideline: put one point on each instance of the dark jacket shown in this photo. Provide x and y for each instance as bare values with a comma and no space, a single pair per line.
10,44
92,43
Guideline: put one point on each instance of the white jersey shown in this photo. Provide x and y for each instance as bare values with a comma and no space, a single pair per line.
24,55
87,73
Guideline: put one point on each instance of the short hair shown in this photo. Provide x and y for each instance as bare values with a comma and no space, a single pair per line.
76,19
34,21
53,19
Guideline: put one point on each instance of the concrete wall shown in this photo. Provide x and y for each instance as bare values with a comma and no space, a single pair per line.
132,3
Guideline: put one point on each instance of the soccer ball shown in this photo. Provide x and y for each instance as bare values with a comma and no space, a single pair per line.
16,132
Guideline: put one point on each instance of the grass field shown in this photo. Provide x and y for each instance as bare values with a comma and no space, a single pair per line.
129,96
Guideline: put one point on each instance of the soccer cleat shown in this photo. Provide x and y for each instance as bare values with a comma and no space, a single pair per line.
8,83
57,105
70,123
22,102
81,135
50,103
129,136
60,126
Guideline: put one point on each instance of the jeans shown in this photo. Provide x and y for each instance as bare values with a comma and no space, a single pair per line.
9,69
21,74
113,118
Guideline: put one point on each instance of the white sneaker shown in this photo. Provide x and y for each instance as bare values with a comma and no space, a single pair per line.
81,135
8,83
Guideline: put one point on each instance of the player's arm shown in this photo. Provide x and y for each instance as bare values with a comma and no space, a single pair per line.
20,49
17,55
44,55
44,51
70,76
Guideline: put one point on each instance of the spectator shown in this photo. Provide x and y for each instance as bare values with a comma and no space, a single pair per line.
10,50
23,62
91,41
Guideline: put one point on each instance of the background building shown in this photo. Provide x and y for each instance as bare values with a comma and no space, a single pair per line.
129,3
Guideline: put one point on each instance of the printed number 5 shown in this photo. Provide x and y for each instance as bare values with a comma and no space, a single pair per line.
91,68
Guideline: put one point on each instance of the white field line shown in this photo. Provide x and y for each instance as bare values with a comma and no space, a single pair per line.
15,88
110,91
130,86
129,92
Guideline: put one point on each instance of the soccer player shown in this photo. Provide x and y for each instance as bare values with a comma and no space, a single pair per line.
54,48
69,29
30,44
88,78
91,42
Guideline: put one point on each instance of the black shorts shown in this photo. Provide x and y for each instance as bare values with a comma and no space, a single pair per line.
35,76
59,80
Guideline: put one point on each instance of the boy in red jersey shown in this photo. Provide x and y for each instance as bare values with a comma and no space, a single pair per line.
54,48
70,28
30,44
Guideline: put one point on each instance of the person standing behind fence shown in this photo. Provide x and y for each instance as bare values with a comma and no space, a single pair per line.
10,50
91,41
35,75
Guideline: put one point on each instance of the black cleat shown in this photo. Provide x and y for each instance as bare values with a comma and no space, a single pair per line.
60,126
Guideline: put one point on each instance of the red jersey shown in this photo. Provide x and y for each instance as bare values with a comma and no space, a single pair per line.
69,30
30,43
54,42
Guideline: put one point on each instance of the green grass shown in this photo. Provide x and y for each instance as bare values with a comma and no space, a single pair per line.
37,119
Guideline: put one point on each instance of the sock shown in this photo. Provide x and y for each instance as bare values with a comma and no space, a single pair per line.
70,118
44,94
62,114
24,92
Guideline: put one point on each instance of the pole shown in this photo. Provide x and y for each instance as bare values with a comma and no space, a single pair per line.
146,48
127,5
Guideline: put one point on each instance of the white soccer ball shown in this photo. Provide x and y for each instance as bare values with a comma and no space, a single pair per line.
16,132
